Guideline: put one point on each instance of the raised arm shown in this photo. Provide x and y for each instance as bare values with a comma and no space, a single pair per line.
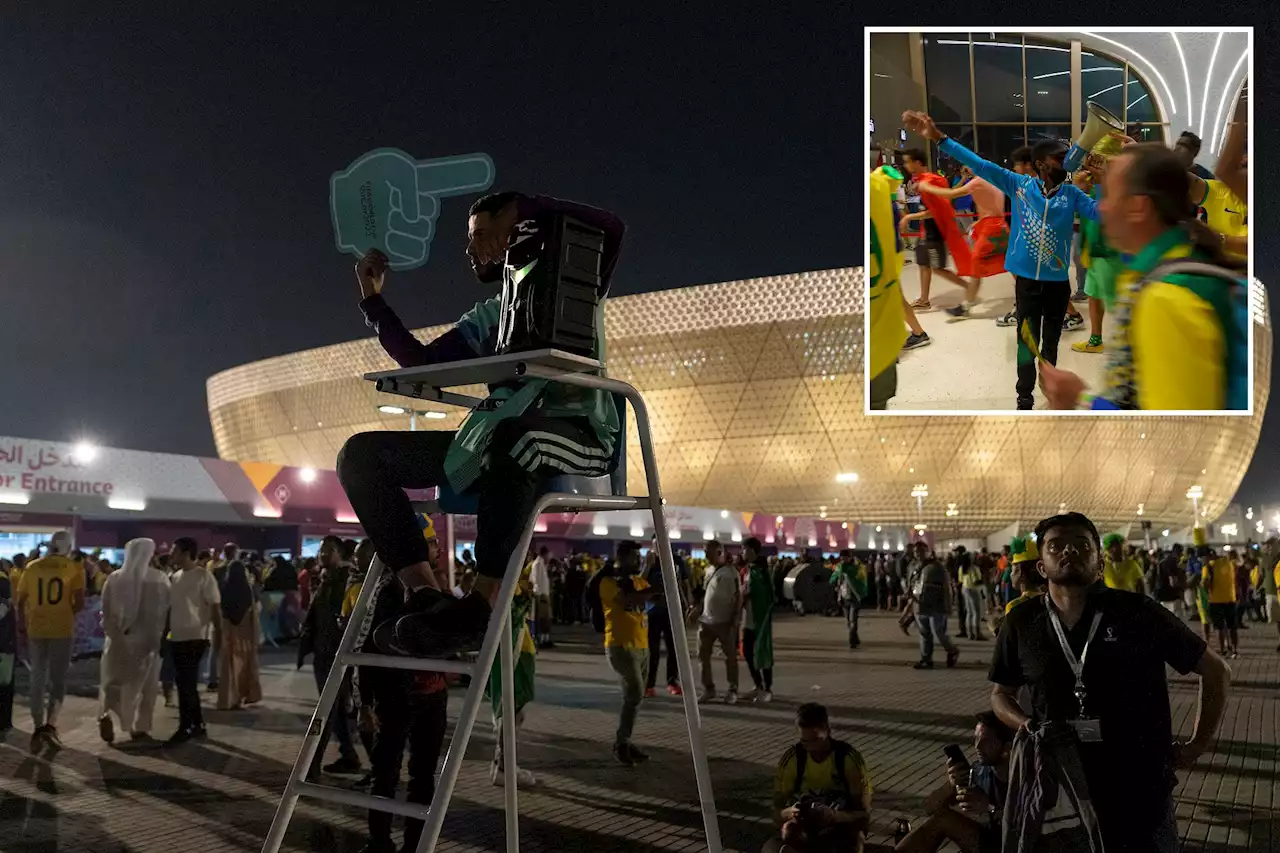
398,341
1001,177
951,193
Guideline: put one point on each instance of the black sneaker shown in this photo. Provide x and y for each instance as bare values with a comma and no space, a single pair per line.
623,755
347,765
922,664
637,757
106,729
200,733
212,688
1079,296
901,829
1073,322
387,846
37,739
917,341
459,626
1010,319
952,657
179,737
51,737
961,310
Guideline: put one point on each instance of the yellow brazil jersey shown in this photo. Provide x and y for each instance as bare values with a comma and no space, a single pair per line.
820,777
1222,581
1179,349
1126,575
349,599
623,626
1026,596
50,585
1224,211
888,330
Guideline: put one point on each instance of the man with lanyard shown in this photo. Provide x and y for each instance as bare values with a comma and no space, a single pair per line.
1042,232
525,431
1094,659
1178,344
1119,571
886,305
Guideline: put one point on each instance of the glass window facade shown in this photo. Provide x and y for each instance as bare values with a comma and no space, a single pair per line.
998,91
950,96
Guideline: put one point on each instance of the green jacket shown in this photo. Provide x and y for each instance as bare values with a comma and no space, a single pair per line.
466,457
857,574
760,590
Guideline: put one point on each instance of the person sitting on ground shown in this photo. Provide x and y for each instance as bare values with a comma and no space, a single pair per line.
967,808
822,790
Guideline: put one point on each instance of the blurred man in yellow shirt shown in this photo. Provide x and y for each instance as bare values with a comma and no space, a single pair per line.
1119,571
623,595
1219,578
50,594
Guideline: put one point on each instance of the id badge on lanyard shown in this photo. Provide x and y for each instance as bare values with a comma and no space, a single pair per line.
1087,729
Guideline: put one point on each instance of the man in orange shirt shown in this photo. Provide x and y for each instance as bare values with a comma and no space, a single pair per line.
50,594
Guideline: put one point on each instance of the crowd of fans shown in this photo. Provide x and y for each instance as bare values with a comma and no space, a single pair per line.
176,619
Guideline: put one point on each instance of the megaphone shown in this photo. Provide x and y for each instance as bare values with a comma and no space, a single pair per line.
1100,123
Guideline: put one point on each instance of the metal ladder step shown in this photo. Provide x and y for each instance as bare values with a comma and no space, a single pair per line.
413,664
362,800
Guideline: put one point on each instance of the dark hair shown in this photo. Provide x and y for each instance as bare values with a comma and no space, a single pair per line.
628,546
712,543
753,543
349,549
493,202
1045,148
1188,140
230,551
184,545
811,715
1068,519
989,720
1021,155
915,154
331,539
1157,173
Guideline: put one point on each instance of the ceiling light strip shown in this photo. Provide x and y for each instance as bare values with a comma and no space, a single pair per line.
1186,75
1208,75
1172,103
1217,120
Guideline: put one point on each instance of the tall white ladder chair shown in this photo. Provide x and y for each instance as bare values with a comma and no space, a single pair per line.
575,494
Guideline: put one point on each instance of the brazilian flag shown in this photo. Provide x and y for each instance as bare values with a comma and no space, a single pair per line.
522,645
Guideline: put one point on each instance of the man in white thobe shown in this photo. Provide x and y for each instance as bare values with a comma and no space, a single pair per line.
135,609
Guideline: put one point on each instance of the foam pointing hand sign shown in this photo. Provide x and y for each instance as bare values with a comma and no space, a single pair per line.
389,201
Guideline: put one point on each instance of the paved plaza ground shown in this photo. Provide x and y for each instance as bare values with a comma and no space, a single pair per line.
221,795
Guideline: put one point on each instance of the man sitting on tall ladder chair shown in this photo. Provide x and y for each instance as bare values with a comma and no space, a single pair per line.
528,431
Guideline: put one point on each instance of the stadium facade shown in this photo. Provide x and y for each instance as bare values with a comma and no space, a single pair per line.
755,391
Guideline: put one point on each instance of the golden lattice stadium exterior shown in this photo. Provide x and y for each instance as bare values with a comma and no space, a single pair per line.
755,389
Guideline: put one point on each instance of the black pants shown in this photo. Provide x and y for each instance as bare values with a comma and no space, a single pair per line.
376,467
418,722
187,655
960,611
660,632
1044,305
762,678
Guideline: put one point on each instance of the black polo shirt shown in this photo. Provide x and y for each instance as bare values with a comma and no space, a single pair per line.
1131,770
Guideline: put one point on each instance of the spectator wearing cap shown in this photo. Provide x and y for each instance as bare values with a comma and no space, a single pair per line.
1094,659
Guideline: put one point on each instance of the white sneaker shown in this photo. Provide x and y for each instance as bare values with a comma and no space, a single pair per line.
524,778
706,696
731,698
751,696
764,697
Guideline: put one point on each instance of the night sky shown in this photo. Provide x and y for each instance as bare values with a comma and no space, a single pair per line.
164,178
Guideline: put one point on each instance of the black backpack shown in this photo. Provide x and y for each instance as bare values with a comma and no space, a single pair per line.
840,751
593,597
